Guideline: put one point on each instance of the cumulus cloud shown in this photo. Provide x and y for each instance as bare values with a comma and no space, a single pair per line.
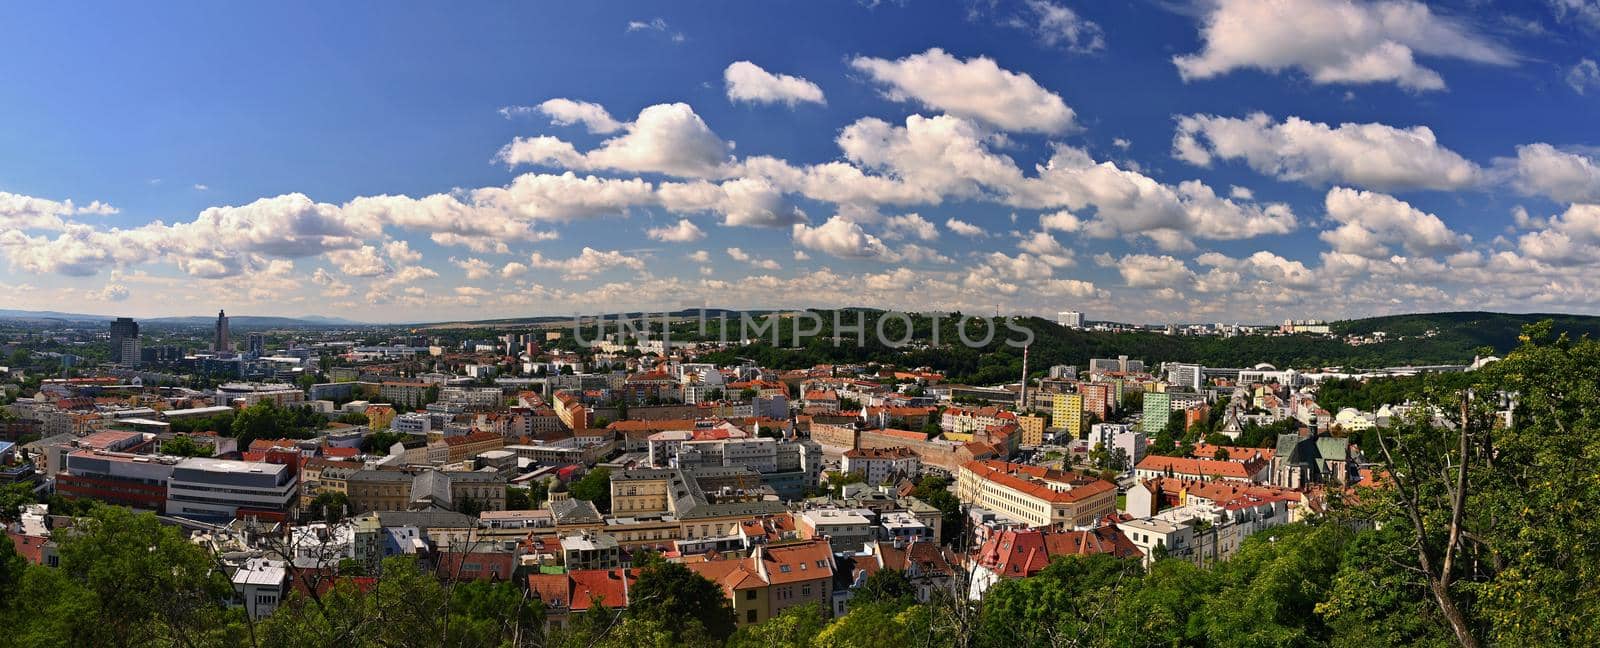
909,226
1147,271
359,262
474,269
964,228
1336,41
747,82
1041,244
1370,222
588,263
976,88
684,231
841,238
400,252
111,293
566,112
1127,202
665,138
1562,176
1371,155
741,256
1570,238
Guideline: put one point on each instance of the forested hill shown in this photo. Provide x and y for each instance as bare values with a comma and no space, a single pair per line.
1444,338
1469,329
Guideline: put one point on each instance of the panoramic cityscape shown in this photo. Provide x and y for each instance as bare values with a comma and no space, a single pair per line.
833,324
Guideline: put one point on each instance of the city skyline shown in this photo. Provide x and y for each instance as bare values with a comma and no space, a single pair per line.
1142,163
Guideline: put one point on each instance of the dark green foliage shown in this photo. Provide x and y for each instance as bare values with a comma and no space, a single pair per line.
670,594
885,586
595,486
267,420
184,446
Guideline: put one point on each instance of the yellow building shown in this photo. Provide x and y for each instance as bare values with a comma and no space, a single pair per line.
1032,427
1066,412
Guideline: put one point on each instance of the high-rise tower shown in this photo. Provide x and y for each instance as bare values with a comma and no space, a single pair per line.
125,341
222,344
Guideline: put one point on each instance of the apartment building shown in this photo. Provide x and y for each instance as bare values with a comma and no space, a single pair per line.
1035,495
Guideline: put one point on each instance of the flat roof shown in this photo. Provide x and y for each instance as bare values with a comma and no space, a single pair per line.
227,465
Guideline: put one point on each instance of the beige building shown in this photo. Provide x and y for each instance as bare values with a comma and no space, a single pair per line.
1035,495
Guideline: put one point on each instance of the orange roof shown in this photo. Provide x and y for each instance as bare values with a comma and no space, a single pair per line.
605,584
904,434
1032,480
1235,453
798,562
1201,467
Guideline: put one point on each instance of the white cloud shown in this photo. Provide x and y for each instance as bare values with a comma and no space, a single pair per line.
1336,41
1583,75
360,262
1370,155
976,88
684,231
1585,11
1562,176
1056,25
657,25
589,262
909,226
111,293
1129,203
566,112
665,138
964,228
1570,238
474,269
840,238
744,257
800,255
1061,221
1371,222
700,256
747,82
751,202
400,252
1041,244
513,269
1146,271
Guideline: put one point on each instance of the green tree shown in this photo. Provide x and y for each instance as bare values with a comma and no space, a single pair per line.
795,627
673,595
885,585
185,446
595,487
12,498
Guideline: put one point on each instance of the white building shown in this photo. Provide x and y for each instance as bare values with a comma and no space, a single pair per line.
1070,319
219,488
881,465
259,585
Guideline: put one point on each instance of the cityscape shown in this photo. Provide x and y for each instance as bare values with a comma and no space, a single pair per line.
845,324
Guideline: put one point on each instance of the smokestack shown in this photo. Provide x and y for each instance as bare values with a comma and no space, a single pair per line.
1022,402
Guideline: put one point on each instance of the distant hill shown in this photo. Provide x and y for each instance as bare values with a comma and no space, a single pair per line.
1455,339
24,315
234,321
1469,329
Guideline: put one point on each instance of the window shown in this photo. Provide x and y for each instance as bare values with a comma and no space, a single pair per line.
749,595
783,568
749,616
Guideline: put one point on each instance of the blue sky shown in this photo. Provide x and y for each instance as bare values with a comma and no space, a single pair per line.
1141,161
